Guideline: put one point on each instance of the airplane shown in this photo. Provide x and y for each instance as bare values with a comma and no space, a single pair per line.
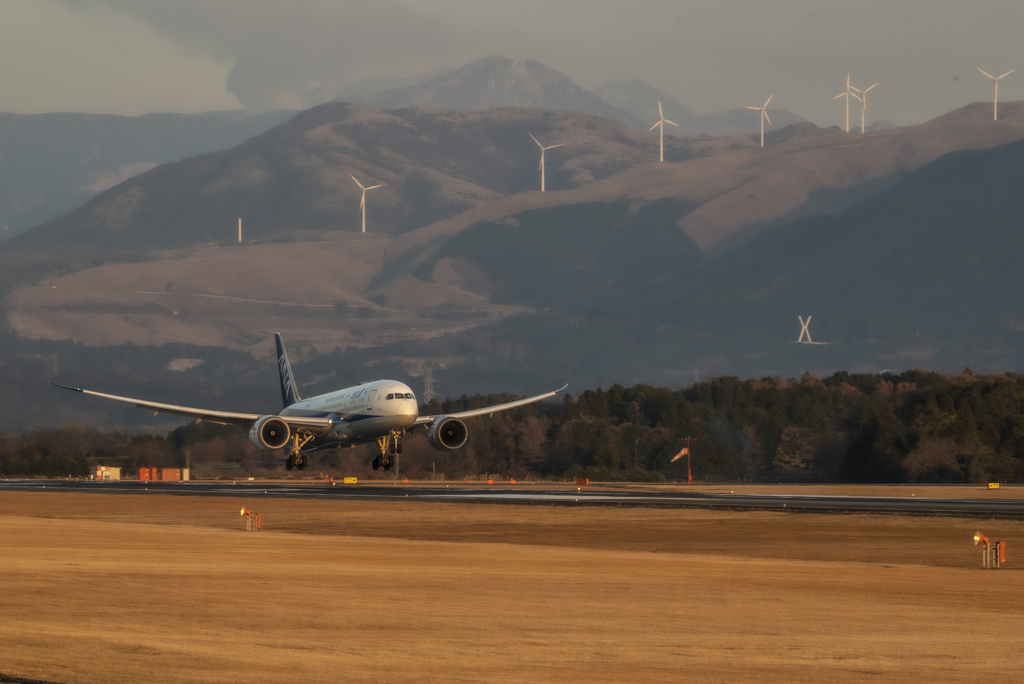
381,411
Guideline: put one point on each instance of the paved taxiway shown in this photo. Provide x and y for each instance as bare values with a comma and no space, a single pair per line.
565,497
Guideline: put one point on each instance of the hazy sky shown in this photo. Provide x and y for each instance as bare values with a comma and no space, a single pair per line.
138,56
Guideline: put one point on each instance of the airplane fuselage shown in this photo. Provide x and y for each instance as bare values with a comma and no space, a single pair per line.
360,414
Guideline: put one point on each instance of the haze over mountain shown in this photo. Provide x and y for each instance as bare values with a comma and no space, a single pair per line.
53,163
641,100
495,82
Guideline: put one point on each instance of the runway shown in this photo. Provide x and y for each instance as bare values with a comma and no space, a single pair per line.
506,494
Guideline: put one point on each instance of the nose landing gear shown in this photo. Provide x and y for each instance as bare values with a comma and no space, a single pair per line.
389,444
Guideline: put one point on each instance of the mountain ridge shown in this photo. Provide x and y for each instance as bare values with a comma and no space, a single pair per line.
497,82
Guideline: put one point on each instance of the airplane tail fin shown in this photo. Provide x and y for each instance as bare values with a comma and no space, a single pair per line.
289,390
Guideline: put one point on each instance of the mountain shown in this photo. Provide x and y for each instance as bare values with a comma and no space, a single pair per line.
522,275
156,259
736,189
295,177
641,100
925,274
53,163
496,82
922,275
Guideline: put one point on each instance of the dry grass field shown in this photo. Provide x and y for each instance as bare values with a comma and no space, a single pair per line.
156,588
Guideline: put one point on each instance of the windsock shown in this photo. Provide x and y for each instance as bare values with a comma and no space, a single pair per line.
684,452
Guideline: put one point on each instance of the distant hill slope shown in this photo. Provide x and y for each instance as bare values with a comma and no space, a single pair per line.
52,163
295,177
926,274
641,100
737,189
495,82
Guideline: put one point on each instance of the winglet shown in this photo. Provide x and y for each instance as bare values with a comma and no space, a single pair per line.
73,389
289,390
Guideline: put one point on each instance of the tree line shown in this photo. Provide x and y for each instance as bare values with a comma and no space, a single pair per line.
915,427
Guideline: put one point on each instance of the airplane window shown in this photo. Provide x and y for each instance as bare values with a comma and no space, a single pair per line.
390,396
409,396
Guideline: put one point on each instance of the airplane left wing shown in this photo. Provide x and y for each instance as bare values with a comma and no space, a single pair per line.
425,420
222,417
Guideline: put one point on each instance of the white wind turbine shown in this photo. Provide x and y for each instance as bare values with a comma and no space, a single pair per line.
542,150
804,332
847,94
764,115
863,104
995,98
661,122
362,202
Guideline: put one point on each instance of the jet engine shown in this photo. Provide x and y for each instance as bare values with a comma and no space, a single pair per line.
447,433
269,432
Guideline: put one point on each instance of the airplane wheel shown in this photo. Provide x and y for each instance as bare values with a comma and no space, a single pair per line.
387,464
301,466
290,463
376,464
399,447
392,447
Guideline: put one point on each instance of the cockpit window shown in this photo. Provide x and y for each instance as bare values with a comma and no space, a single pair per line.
409,396
390,396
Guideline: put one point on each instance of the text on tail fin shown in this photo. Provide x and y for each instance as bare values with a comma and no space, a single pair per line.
289,390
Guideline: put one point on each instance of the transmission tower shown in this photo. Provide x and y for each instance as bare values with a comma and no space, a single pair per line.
428,386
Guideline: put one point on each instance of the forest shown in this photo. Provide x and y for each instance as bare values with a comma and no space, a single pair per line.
914,427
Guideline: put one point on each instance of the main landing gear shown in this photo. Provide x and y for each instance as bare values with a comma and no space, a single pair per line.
389,444
297,458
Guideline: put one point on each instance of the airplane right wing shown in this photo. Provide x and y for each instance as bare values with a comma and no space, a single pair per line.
487,410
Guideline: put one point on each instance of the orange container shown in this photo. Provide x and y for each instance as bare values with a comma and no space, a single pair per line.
490,482
143,474
1002,552
512,480
172,474
583,482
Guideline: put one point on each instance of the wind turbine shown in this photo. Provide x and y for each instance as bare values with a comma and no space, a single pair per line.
804,332
863,104
542,149
764,115
661,122
362,202
847,93
995,99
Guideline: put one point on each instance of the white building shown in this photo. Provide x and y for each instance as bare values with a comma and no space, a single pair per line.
105,473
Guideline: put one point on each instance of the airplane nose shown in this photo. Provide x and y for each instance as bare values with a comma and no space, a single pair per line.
406,408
